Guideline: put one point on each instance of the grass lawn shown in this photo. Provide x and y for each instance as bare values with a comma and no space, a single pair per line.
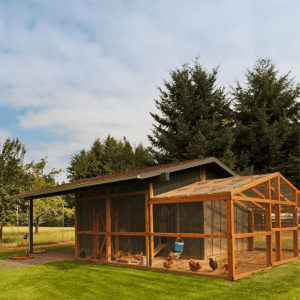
12,236
81,280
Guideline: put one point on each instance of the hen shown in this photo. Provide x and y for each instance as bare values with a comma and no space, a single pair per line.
138,256
237,263
195,266
169,262
121,256
213,264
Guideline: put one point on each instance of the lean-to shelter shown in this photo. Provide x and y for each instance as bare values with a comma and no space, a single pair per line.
203,202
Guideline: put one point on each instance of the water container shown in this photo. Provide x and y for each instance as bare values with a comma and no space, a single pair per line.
143,260
179,245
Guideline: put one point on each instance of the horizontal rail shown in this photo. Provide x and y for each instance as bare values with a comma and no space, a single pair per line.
264,200
250,234
188,235
113,195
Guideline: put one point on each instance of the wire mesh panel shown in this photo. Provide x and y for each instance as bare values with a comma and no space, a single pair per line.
85,245
84,216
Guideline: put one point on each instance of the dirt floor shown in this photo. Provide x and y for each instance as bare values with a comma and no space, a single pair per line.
250,261
39,259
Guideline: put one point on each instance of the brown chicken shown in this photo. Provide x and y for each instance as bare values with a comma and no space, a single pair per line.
170,258
119,253
138,256
237,263
168,264
195,266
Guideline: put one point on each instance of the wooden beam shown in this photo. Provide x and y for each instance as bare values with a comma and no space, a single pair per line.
150,190
191,235
230,239
284,229
241,204
151,237
278,233
252,246
268,207
258,193
147,228
287,182
102,245
128,210
263,200
191,198
253,184
295,224
76,238
108,227
253,202
250,234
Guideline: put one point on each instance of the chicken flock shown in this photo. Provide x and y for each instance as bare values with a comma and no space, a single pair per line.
168,264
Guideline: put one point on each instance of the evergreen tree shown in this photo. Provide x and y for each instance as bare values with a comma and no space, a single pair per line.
108,157
196,118
267,119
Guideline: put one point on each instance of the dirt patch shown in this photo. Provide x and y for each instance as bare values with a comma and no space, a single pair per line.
250,261
39,259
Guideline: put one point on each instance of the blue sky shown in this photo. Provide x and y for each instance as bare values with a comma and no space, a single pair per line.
73,71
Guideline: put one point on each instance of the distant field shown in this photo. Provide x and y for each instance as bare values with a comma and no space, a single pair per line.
287,240
12,236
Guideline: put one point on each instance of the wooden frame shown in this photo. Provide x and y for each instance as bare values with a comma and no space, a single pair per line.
230,198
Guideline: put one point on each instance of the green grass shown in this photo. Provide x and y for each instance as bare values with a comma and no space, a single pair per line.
4,254
81,280
12,236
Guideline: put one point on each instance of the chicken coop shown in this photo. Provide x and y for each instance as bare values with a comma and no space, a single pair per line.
196,212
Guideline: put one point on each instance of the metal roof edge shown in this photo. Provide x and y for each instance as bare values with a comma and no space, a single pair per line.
73,187
187,166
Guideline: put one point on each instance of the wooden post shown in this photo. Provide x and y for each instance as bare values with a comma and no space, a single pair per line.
31,226
251,246
147,228
117,226
95,229
151,228
295,224
128,210
76,238
230,240
278,219
268,212
108,228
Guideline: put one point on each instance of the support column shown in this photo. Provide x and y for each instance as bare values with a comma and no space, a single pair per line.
108,227
230,240
268,213
147,229
31,226
151,228
295,224
251,246
278,220
117,226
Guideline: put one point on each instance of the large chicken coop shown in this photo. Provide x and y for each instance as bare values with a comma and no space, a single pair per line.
242,222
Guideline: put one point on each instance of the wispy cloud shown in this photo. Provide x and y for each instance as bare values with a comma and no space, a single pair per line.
77,70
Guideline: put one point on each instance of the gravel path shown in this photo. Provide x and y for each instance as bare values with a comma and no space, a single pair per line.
39,259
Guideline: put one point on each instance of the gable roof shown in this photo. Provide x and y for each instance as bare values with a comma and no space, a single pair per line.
129,175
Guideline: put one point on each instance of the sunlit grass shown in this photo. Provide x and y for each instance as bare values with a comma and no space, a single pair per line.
12,236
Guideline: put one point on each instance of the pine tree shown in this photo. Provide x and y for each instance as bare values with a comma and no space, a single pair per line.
108,157
267,119
196,118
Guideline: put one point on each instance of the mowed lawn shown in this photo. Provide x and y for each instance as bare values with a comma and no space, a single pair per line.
81,280
12,236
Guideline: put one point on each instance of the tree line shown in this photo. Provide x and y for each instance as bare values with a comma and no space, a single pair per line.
253,128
